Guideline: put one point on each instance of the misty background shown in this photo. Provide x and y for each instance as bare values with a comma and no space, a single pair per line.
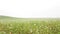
30,8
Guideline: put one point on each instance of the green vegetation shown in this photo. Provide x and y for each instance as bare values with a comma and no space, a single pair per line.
29,25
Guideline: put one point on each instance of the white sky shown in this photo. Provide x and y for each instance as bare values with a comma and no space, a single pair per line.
30,8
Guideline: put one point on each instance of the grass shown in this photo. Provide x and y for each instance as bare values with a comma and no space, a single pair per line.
29,25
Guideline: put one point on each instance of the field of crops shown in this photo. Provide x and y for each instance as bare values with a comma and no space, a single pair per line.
29,26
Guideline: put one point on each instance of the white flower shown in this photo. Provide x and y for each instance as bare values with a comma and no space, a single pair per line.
34,24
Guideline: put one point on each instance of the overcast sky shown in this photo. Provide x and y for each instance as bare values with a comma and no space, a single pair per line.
30,8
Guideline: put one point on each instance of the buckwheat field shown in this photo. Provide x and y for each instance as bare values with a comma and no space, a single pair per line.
10,25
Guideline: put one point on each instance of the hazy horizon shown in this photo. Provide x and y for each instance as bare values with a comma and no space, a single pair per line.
30,8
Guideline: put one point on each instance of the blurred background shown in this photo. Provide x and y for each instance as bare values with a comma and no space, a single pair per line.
30,8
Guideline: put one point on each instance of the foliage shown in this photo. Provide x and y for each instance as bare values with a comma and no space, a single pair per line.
30,26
